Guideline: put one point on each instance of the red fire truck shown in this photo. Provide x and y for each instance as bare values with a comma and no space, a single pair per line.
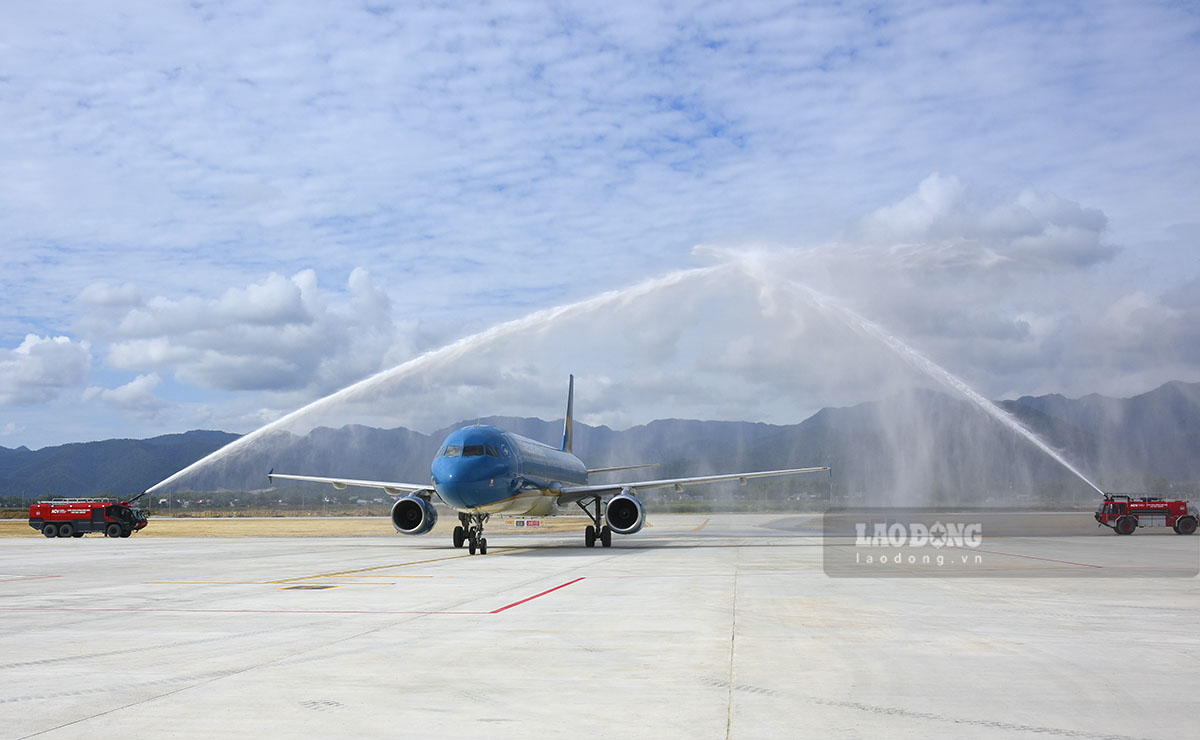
1124,513
75,517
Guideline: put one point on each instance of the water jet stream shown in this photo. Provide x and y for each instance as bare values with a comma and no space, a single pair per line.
870,329
447,353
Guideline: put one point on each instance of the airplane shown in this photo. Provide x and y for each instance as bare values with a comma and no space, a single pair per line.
482,470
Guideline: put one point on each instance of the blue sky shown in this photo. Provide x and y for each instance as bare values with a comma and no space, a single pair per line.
213,213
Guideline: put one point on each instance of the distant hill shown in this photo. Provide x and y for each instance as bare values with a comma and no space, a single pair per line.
117,466
916,447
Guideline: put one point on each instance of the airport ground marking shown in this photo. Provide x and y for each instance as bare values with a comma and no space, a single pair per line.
1029,557
136,610
703,524
374,567
270,583
505,551
536,596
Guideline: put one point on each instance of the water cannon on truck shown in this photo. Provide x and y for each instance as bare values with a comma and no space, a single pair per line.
1124,513
75,517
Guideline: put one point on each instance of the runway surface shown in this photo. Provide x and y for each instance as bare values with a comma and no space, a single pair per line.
718,626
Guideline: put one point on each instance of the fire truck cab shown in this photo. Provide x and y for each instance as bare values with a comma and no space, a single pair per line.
1124,513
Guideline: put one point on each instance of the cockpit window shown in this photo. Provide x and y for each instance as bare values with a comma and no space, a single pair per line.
472,451
491,451
504,450
452,451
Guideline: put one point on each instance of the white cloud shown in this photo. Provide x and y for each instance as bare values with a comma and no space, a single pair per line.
106,295
41,368
276,335
943,226
137,397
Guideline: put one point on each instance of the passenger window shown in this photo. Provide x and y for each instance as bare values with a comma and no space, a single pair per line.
453,451
472,451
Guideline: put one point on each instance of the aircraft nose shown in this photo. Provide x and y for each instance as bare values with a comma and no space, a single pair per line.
468,482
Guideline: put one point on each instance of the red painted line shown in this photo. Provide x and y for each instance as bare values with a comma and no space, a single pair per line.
1028,557
134,610
535,596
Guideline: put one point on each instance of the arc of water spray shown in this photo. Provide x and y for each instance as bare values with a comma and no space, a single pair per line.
863,325
446,353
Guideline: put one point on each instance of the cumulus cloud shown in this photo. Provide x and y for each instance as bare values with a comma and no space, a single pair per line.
137,397
944,226
278,334
41,368
105,294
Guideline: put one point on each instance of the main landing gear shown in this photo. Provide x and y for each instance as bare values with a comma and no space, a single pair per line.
471,532
595,530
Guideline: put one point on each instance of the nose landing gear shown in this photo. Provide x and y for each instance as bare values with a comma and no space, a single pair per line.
471,532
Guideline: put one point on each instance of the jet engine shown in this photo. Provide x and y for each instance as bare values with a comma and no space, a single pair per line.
625,514
413,515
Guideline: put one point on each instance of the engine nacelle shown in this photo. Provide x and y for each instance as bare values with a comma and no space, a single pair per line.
625,513
413,515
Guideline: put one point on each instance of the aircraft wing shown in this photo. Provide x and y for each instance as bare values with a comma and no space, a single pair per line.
575,493
395,489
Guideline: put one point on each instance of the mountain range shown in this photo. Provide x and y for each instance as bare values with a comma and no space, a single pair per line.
916,446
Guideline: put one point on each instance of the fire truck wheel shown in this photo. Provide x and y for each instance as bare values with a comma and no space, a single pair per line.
1126,525
49,530
112,530
78,534
126,532
65,530
1186,525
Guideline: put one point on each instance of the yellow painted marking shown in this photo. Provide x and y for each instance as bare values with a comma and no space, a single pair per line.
395,565
702,524
269,583
374,567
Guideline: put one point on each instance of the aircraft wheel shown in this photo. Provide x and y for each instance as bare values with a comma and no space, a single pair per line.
1186,525
49,530
459,536
471,544
606,536
589,536
483,545
65,530
1126,525
112,530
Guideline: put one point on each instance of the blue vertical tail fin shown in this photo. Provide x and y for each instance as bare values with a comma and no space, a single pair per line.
569,421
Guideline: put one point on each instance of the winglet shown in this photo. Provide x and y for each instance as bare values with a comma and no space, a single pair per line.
569,421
